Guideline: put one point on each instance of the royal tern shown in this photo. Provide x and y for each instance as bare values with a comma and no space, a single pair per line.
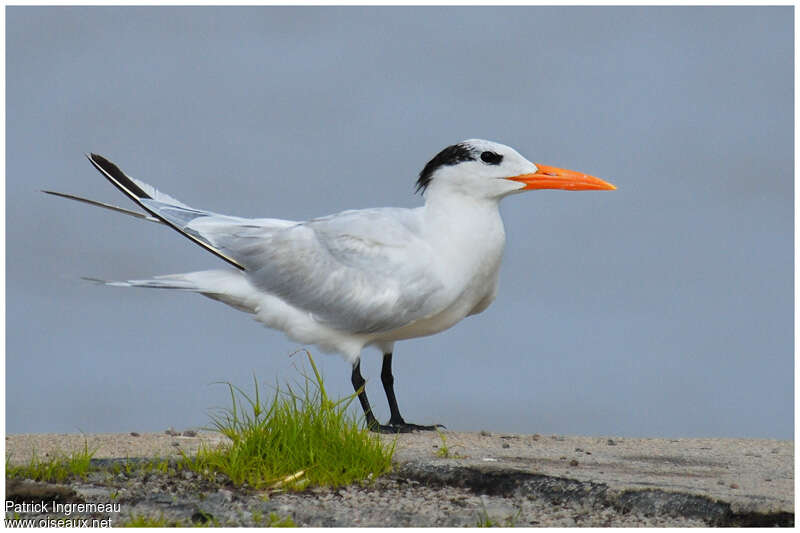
365,277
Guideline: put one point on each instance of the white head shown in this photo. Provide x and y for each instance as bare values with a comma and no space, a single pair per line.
486,169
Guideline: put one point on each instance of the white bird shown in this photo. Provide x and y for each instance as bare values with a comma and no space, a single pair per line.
365,277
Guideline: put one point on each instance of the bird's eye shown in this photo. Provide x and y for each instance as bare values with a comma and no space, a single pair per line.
491,158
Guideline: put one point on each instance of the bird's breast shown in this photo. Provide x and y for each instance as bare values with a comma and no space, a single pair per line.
467,263
473,298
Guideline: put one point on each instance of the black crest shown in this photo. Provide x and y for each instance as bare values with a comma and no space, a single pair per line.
452,155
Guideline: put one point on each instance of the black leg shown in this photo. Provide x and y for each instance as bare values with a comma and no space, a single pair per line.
358,385
396,422
388,385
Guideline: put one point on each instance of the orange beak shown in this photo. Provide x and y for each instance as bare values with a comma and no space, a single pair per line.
559,178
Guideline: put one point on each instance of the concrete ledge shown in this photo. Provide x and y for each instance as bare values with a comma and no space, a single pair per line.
745,476
720,482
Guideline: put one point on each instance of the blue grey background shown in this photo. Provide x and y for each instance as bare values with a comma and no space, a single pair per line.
664,308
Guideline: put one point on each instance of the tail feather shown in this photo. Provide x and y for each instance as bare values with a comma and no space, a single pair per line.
103,205
157,204
156,283
226,286
139,188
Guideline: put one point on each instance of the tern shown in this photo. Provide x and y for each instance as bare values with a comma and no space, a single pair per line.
360,278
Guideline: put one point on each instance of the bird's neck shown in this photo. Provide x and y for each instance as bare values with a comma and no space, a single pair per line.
460,221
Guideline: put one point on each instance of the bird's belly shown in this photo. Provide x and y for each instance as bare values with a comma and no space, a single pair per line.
459,309
425,326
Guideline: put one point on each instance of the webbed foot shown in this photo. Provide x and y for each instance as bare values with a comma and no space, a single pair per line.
404,428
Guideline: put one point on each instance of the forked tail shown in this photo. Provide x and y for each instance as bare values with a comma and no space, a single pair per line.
161,206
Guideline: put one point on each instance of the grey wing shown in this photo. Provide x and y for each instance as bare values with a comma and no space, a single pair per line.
361,271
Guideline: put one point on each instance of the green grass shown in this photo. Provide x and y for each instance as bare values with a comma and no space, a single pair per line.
55,469
444,450
273,520
300,438
146,521
61,467
155,465
151,521
484,520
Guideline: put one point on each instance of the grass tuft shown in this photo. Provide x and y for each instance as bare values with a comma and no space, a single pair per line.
298,439
204,520
484,520
146,521
273,520
56,469
444,450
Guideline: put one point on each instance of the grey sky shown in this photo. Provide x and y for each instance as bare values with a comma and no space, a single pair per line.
664,308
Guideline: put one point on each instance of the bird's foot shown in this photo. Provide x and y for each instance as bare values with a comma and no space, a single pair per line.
404,428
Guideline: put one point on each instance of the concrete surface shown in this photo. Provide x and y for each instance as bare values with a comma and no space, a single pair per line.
722,481
752,475
745,478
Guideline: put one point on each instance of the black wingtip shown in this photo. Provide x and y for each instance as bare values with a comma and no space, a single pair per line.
113,171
